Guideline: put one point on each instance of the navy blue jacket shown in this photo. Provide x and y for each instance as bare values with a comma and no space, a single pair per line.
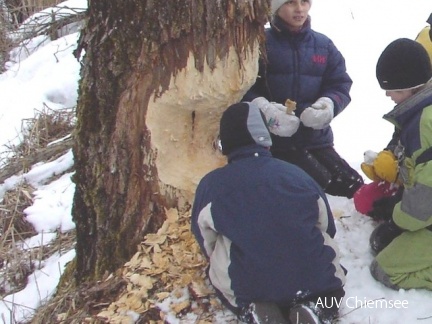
267,230
302,67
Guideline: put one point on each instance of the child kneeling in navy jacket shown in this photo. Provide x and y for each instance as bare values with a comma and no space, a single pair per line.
267,229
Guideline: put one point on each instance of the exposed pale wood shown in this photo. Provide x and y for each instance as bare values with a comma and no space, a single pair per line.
156,77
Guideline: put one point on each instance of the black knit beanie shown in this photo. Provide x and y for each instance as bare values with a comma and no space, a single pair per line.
404,64
243,124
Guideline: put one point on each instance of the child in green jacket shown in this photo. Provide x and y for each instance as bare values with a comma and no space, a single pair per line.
403,241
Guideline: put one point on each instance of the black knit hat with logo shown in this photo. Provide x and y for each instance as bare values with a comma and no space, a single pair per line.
243,124
404,64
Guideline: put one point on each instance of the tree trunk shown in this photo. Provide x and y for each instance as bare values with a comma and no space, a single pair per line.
155,79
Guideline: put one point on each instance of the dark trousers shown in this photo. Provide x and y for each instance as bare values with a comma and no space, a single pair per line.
326,167
325,305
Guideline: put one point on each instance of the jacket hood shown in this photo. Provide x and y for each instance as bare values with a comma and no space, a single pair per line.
411,106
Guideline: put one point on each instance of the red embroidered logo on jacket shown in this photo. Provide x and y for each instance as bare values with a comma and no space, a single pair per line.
320,59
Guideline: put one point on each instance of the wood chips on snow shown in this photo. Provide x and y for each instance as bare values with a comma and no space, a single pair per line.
167,273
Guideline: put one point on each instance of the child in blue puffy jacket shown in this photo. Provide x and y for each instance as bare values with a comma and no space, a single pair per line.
304,68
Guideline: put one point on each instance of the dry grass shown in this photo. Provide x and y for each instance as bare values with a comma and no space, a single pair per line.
15,263
45,127
74,305
18,261
14,12
6,43
38,5
20,10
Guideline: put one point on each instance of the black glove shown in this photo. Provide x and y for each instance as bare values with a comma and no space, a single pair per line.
382,209
383,235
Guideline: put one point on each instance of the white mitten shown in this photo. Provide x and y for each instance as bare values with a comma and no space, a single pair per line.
319,115
279,121
368,165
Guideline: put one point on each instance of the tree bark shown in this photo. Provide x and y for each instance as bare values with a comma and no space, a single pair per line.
155,79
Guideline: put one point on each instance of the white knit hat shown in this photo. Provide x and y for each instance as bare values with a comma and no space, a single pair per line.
276,4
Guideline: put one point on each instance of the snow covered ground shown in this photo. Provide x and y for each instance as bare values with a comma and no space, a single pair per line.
360,29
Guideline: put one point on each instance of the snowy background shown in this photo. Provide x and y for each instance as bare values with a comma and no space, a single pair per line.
360,29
